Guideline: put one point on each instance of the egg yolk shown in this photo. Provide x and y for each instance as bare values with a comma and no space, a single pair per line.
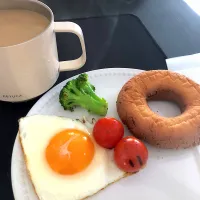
70,151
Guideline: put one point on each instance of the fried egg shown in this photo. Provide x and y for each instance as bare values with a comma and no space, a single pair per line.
63,160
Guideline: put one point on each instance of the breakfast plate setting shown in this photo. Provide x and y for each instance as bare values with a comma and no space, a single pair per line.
104,134
113,133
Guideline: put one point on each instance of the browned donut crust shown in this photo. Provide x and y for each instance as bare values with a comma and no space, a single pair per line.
182,131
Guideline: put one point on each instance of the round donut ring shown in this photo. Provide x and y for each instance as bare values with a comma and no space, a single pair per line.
182,131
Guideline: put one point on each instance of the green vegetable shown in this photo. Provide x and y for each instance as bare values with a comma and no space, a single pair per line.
79,92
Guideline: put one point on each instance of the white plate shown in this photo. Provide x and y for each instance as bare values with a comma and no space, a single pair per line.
170,174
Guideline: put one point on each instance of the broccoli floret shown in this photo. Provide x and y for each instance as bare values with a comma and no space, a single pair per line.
79,92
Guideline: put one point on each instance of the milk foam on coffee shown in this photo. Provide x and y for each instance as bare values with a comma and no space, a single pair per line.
17,26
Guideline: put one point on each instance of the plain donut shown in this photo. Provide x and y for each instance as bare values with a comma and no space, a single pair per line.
182,131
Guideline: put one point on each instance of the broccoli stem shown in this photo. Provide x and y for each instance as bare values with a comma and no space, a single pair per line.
94,106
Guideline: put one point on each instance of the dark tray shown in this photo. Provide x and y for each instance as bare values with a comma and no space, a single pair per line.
116,41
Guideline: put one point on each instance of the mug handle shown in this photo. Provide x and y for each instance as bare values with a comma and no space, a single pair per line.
76,29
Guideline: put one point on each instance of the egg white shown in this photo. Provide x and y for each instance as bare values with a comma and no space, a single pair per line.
35,133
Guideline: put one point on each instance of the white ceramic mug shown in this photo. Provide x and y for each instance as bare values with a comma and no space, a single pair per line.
30,68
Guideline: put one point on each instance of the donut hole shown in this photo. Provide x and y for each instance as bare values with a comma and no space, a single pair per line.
165,103
164,108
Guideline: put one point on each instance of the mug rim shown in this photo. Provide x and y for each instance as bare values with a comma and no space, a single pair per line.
40,34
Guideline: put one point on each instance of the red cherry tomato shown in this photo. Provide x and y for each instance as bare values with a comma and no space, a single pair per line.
108,132
130,154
